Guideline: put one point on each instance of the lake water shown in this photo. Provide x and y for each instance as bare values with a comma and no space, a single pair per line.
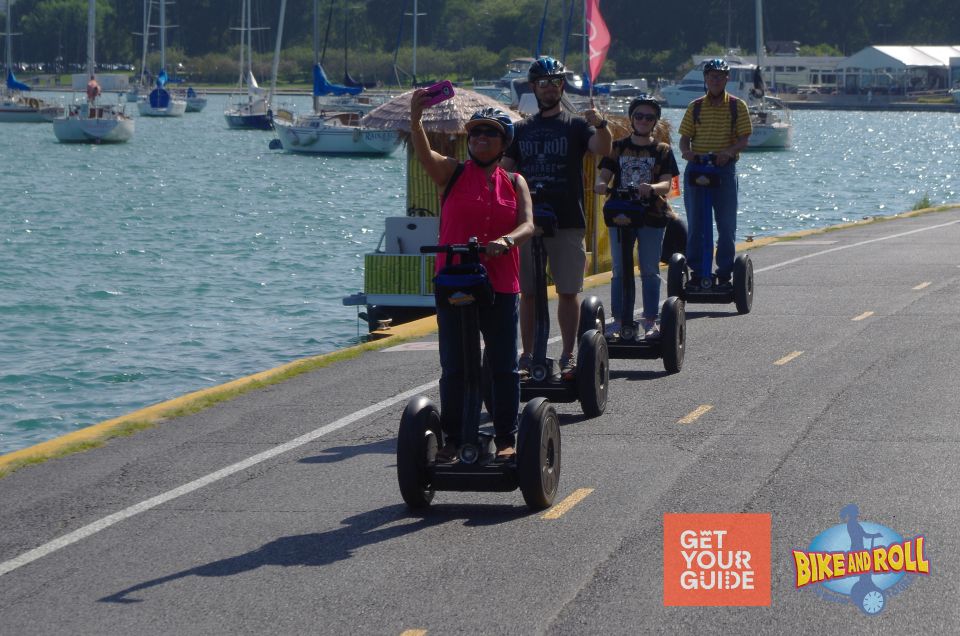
194,255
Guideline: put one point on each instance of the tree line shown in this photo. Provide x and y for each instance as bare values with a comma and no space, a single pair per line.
465,38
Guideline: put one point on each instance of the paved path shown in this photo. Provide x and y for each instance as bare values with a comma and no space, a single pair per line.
278,512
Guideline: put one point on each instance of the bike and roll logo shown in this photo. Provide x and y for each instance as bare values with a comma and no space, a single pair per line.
860,562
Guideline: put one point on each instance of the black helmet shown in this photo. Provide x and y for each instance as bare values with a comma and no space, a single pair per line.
545,67
641,100
716,65
493,117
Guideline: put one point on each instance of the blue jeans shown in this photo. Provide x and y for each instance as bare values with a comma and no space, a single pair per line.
498,324
649,241
724,212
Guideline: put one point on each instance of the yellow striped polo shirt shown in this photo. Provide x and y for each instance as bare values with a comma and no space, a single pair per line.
713,132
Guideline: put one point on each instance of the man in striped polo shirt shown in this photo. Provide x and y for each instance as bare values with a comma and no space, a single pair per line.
716,123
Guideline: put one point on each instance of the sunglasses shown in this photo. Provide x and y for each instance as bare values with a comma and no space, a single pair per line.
484,132
644,117
543,82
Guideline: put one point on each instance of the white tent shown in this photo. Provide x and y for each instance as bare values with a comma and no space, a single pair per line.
897,69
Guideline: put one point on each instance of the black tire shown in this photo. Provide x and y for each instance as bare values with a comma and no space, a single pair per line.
676,275
591,316
593,373
417,443
673,334
743,283
538,454
674,239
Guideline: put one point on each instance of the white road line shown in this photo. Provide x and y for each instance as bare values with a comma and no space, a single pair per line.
110,520
143,506
846,247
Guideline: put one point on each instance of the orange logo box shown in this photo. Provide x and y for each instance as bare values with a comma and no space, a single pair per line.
716,559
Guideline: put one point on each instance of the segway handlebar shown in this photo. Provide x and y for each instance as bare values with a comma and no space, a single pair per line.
470,248
707,159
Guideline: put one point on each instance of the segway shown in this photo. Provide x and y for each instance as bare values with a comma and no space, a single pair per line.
706,176
592,379
535,468
626,211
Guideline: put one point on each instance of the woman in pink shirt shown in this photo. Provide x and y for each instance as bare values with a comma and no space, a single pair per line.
494,206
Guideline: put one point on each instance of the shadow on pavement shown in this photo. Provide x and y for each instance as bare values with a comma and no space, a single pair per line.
339,453
325,548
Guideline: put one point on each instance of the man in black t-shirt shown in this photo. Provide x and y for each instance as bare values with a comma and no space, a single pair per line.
548,151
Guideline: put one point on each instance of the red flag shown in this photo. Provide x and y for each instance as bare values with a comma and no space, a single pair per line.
598,38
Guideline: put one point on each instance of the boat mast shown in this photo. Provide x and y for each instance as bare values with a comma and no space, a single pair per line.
147,11
276,53
163,34
91,37
8,43
415,14
759,5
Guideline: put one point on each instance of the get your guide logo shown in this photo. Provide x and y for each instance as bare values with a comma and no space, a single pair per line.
716,559
860,562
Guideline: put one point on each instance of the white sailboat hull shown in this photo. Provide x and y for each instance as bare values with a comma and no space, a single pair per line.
78,128
317,138
176,108
28,111
771,136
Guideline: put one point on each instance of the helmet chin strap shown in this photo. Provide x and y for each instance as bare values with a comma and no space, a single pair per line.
546,106
483,164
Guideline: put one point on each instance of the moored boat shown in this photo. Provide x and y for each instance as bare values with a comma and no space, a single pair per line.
333,133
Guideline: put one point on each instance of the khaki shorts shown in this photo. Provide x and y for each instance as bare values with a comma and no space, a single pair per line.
566,260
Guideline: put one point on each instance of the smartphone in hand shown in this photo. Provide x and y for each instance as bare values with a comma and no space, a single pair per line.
441,91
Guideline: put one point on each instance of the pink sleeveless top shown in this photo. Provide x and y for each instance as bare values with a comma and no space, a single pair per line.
471,209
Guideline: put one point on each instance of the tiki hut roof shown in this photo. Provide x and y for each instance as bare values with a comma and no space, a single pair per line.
446,117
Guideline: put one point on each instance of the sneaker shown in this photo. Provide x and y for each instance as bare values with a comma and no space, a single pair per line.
724,284
568,368
650,329
693,282
612,330
447,454
524,365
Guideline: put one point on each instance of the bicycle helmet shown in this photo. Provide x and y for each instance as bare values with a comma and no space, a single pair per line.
644,100
493,117
716,65
545,67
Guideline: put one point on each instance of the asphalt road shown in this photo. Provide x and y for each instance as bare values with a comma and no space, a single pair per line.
278,512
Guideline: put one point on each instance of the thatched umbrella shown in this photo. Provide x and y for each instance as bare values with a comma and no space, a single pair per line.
446,117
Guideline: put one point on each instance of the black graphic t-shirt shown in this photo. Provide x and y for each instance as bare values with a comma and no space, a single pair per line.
550,151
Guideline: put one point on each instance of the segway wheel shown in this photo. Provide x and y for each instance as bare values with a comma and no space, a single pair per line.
538,454
676,273
417,445
673,334
743,283
591,316
593,373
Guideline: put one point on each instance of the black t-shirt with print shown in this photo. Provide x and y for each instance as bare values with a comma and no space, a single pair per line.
634,164
549,150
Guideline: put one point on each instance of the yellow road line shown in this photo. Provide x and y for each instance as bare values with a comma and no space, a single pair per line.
414,632
787,358
695,414
572,500
922,286
865,314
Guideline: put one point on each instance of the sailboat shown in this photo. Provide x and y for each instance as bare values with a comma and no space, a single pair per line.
160,102
252,110
14,105
93,122
770,117
337,131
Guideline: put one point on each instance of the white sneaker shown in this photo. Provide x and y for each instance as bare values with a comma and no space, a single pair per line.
612,330
651,329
